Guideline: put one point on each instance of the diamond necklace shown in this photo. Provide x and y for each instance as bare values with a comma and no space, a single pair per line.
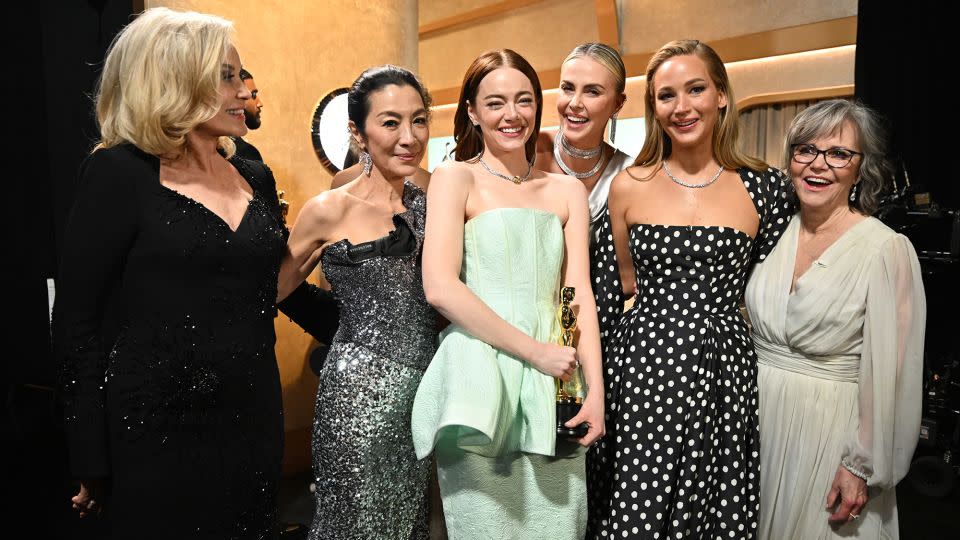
563,166
573,151
685,184
515,179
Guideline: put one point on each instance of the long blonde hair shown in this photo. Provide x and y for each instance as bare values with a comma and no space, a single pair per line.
726,132
161,79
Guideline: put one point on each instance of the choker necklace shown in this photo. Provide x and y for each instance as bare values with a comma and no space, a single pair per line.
568,170
685,184
573,151
515,179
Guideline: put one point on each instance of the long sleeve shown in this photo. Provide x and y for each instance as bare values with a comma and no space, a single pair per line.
891,367
99,233
313,309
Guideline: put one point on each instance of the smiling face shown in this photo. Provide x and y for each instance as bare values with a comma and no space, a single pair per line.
230,119
588,98
396,130
686,101
819,186
505,109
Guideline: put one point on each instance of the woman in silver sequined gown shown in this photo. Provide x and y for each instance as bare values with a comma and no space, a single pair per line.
369,483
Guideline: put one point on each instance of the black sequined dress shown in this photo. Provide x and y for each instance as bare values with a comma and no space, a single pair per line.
369,481
184,414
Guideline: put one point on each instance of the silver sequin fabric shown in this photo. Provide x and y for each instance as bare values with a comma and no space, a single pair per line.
369,483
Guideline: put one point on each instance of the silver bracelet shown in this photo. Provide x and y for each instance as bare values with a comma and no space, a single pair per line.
854,470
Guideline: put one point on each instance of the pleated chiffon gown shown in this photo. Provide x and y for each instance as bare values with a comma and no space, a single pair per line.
840,366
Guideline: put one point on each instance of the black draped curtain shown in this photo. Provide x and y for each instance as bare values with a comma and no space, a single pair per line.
55,53
903,65
905,70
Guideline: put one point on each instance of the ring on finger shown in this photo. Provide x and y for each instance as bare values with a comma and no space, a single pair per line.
853,516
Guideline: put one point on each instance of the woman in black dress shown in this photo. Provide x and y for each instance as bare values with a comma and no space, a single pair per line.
179,429
688,220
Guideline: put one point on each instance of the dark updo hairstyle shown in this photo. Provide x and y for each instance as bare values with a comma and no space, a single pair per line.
467,136
374,79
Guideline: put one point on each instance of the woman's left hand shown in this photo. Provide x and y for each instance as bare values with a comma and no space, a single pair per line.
89,500
591,412
847,497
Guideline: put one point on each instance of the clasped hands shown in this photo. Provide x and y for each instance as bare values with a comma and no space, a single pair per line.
560,362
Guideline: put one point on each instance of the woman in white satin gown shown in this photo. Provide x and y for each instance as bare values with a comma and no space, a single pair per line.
838,315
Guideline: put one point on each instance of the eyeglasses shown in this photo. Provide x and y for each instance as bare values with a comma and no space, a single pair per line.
835,158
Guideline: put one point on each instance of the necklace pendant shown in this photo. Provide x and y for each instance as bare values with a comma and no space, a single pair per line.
516,179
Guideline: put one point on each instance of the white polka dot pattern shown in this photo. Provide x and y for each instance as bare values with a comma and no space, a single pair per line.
605,279
680,458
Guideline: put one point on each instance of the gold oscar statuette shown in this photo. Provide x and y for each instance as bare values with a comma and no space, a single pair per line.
569,394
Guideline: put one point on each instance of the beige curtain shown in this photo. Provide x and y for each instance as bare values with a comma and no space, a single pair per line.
762,129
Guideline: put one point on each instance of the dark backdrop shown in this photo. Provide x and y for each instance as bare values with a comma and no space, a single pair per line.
58,47
902,65
902,69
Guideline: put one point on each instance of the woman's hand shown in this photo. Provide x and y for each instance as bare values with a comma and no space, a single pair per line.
554,360
89,500
847,496
591,412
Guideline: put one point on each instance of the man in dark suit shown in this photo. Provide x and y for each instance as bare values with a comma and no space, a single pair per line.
251,112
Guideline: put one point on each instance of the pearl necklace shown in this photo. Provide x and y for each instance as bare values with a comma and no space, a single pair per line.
515,179
685,184
558,142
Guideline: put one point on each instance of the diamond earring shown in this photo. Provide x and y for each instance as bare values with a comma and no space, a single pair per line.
367,162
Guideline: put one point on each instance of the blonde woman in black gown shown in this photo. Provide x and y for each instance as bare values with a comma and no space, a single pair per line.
178,432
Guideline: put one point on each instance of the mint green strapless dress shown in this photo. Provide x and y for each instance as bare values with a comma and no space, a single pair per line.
488,416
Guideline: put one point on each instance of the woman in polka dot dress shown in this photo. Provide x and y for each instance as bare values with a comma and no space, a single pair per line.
688,221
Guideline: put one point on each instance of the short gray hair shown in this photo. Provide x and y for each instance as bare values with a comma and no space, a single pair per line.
827,117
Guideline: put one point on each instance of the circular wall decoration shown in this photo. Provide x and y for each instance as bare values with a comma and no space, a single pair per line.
329,132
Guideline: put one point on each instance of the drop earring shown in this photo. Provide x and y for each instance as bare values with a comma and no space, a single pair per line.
367,162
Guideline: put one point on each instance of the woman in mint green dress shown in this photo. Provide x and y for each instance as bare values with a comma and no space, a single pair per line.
501,238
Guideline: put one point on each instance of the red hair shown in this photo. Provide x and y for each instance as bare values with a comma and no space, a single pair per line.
469,141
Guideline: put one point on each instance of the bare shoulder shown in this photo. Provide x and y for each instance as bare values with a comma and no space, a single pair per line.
421,179
567,184
640,173
452,171
327,207
633,177
346,176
